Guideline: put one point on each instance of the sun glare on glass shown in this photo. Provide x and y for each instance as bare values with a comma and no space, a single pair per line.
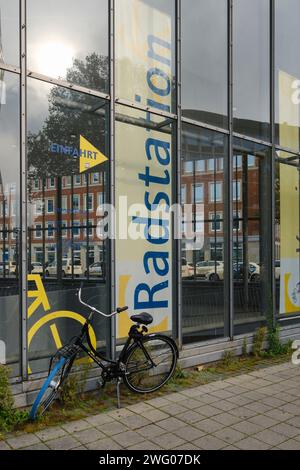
54,58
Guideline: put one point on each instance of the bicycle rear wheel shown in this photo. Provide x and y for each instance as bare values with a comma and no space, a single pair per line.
150,363
50,388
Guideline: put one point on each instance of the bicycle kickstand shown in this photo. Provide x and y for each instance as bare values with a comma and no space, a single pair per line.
118,392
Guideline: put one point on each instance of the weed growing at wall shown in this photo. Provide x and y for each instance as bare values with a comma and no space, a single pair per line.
245,348
9,417
258,341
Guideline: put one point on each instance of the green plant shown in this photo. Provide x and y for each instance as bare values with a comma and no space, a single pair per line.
228,358
9,417
6,398
258,341
84,373
73,388
245,348
68,393
179,373
275,346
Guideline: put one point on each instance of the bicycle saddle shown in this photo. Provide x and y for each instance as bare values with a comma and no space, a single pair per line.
143,318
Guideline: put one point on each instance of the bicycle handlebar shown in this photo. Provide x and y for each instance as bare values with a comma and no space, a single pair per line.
119,309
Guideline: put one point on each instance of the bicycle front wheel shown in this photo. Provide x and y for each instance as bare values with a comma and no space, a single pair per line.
50,388
150,363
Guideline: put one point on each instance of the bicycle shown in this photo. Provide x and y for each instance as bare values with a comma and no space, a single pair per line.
145,364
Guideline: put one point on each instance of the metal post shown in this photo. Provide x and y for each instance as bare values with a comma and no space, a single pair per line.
72,223
87,254
23,218
58,219
245,225
112,170
273,160
228,240
43,226
178,276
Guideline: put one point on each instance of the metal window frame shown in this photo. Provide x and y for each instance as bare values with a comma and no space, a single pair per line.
23,192
111,99
177,275
112,244
273,160
228,207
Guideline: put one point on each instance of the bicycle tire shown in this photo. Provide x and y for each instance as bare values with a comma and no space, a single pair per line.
138,369
48,392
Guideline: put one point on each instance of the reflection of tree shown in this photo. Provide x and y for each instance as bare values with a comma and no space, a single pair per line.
91,73
70,115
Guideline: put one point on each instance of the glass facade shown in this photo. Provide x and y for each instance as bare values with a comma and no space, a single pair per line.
287,74
10,226
177,120
203,155
251,68
251,234
71,44
205,61
63,212
9,40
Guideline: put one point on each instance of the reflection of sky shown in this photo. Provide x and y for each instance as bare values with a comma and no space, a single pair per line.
167,6
204,48
252,60
80,25
38,104
83,25
10,30
288,36
9,132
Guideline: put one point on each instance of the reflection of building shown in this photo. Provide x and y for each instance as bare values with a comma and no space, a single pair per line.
202,187
72,218
229,170
8,228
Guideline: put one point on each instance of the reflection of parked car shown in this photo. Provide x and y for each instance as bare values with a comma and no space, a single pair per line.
277,269
51,269
12,267
95,269
211,270
185,269
2,270
67,269
253,271
36,268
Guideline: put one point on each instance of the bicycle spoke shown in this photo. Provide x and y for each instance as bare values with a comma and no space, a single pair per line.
149,372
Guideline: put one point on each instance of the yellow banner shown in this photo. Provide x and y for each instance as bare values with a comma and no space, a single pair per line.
143,165
289,198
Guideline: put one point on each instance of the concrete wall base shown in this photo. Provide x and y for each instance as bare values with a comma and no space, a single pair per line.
190,356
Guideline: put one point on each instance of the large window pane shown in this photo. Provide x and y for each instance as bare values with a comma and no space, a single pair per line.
71,43
203,234
251,235
204,61
10,222
287,73
9,32
67,185
145,52
287,262
252,68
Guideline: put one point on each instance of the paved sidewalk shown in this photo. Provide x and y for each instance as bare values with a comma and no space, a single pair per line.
259,410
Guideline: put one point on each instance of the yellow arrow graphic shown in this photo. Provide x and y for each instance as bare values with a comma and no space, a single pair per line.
89,155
